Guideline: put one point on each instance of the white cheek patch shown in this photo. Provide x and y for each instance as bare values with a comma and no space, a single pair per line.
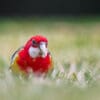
33,52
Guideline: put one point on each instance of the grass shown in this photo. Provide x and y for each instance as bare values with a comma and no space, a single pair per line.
75,48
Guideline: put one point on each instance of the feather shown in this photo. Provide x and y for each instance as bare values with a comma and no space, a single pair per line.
14,54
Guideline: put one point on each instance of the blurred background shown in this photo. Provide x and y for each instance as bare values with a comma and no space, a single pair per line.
71,26
73,30
49,7
29,17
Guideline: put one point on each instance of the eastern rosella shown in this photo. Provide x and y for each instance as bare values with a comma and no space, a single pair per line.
33,57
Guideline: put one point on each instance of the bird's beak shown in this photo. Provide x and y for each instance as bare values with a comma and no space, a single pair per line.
43,49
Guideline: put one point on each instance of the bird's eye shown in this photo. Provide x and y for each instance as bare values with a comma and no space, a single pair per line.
34,43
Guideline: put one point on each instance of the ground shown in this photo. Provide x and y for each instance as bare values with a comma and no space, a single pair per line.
75,47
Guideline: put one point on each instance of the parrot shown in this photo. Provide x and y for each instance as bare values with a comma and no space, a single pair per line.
34,57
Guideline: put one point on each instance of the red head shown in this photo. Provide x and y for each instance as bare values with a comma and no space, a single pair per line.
37,46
